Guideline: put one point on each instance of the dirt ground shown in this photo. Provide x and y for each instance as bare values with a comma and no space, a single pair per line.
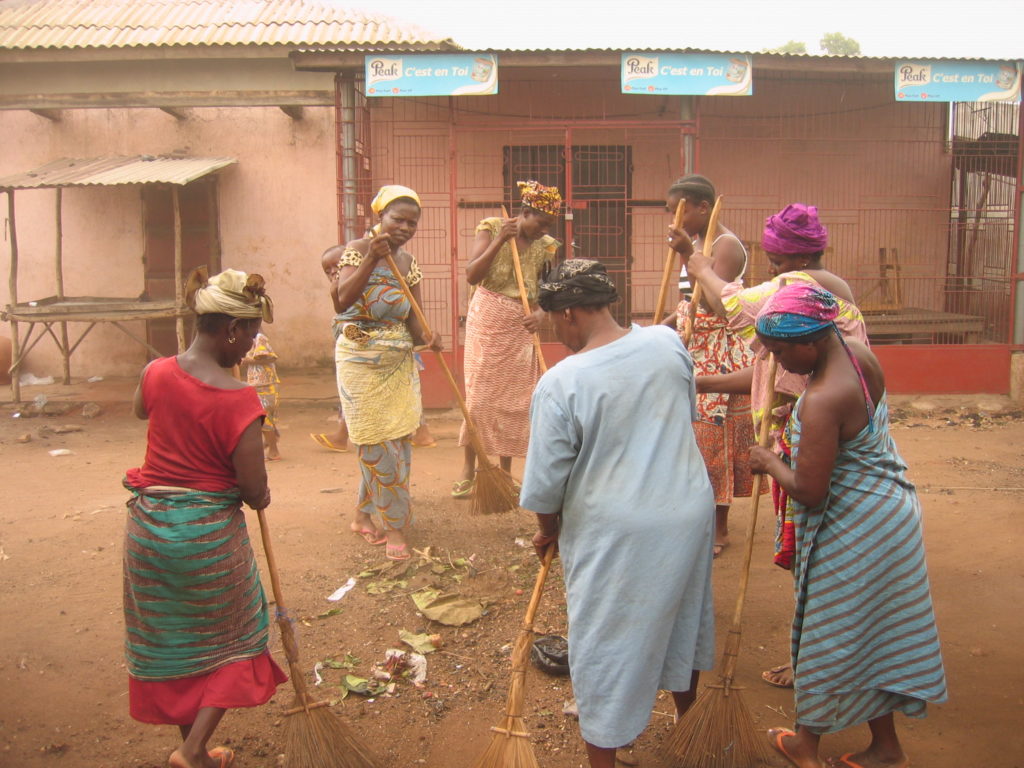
63,698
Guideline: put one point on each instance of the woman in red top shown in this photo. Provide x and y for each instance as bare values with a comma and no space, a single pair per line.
195,613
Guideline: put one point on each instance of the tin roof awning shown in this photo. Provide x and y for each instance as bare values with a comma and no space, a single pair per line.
113,171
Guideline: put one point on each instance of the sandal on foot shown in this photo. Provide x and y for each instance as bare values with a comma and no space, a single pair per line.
462,489
369,535
325,442
775,672
396,552
718,548
777,735
225,756
846,760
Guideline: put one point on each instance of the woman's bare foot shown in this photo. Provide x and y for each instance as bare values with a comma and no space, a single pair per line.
422,438
801,749
270,441
368,532
363,525
721,528
780,676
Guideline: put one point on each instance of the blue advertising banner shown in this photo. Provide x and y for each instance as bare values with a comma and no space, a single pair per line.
958,81
687,74
429,74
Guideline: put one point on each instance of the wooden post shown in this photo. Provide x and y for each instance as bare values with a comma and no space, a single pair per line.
12,285
65,352
179,299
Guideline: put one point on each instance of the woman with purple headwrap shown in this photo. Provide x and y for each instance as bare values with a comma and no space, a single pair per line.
863,643
794,241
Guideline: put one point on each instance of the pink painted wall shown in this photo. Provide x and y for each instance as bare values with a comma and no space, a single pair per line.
278,213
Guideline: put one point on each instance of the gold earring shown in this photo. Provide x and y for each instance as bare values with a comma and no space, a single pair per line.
231,339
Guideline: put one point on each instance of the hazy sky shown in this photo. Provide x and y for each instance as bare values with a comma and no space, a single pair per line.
899,28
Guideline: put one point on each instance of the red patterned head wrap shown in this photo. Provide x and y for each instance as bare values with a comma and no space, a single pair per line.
544,199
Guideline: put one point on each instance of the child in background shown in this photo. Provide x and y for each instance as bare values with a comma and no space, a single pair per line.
261,373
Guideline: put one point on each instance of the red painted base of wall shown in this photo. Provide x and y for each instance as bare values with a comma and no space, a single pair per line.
934,370
910,369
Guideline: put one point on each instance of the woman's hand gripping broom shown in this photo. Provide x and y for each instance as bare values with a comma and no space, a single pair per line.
666,273
698,289
517,264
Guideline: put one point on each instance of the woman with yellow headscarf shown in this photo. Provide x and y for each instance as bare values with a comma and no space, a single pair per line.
500,366
378,383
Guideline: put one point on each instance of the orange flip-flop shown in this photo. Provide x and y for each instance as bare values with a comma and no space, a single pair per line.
845,760
778,746
225,755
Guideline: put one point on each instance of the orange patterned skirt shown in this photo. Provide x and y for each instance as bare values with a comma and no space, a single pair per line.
726,451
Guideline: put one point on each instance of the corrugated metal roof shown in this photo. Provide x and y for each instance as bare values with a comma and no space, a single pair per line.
765,52
112,171
131,23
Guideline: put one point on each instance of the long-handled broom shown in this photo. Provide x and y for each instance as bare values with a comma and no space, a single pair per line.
518,266
698,289
718,731
314,736
666,273
494,489
510,745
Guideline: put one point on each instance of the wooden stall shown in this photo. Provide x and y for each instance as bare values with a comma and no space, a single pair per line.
51,315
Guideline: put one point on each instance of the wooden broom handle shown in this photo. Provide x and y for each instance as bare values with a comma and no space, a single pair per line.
733,639
698,289
474,437
288,642
268,551
538,586
518,266
670,260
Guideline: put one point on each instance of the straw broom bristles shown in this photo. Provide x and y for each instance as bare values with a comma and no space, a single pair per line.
314,736
318,738
494,489
510,745
717,731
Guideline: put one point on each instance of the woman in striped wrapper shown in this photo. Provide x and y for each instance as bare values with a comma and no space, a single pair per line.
501,367
864,643
195,613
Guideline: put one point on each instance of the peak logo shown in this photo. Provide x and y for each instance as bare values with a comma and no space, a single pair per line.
639,67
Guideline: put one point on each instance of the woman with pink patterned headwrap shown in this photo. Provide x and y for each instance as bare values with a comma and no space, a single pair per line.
794,241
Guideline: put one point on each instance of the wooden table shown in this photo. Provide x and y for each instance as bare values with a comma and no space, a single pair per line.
44,314
922,326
